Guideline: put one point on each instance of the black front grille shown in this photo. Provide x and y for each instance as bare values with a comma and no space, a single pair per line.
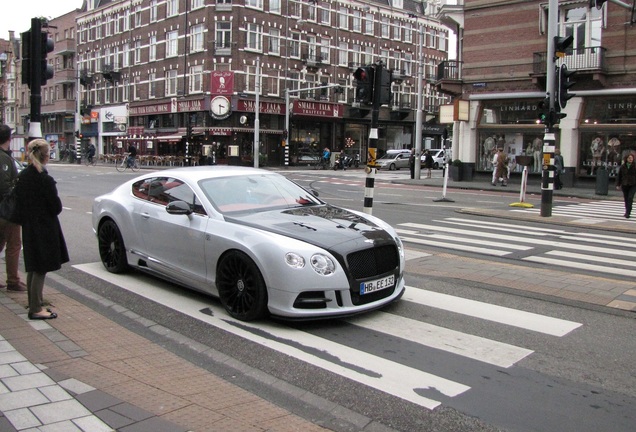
368,264
372,262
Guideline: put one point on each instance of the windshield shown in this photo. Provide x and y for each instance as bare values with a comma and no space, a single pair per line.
254,193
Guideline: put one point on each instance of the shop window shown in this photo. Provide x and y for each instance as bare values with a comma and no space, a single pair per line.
515,143
604,149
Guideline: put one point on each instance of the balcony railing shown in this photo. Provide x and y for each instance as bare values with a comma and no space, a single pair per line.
313,59
449,70
580,59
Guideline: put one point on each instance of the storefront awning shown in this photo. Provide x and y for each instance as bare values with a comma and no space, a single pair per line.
263,131
169,137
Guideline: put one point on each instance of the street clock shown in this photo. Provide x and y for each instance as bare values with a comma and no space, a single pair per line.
220,107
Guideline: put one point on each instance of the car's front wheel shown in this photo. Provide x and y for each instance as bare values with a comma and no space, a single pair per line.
392,167
111,247
241,287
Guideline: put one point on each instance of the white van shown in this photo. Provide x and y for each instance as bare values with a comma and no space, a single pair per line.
394,160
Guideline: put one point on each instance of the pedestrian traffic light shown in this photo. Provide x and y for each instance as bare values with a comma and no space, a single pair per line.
564,84
597,3
386,77
364,84
543,110
561,45
46,46
26,58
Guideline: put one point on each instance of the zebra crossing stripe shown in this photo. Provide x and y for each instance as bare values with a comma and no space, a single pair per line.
579,265
500,314
474,347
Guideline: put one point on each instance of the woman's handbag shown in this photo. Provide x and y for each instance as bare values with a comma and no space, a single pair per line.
9,208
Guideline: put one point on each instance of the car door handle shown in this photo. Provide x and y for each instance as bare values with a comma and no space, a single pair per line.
145,215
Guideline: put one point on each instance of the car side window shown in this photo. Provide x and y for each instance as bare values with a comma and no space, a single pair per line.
164,190
140,189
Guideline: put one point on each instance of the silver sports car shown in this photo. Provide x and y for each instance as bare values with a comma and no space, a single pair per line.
258,241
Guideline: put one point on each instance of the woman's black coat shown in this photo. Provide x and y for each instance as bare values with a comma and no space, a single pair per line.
42,239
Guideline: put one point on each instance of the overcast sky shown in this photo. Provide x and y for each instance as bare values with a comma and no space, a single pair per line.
16,14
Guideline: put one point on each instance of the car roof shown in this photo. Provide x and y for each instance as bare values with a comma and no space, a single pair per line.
209,171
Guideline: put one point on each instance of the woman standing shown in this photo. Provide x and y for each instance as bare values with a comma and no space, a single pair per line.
42,239
626,180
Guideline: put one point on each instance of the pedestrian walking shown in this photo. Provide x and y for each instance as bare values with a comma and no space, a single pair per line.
9,232
626,180
44,245
428,163
500,164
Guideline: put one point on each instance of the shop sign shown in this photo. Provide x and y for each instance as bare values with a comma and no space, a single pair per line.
316,109
162,108
447,114
94,116
189,105
264,107
222,82
221,131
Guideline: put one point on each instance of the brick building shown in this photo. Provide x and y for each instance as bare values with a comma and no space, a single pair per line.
177,77
501,71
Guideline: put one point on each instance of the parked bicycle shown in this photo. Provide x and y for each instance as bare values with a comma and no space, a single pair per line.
127,162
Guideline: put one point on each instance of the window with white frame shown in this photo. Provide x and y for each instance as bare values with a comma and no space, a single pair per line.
312,12
224,2
152,85
108,27
273,41
116,24
356,56
223,34
152,48
153,10
325,50
397,30
357,21
385,27
126,20
311,47
407,64
171,83
369,21
442,42
125,87
196,38
172,8
432,38
138,16
294,45
250,79
172,43
254,37
273,83
108,88
274,6
584,25
368,55
98,29
136,84
293,83
325,13
196,79
408,32
343,54
126,55
343,18
295,9
137,51
196,4
256,4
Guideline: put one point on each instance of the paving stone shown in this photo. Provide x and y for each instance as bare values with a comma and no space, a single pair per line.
60,411
22,418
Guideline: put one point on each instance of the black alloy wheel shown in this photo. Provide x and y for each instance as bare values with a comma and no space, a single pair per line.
241,287
111,247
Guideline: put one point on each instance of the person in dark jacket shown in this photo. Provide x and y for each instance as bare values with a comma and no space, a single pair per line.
428,163
42,239
626,180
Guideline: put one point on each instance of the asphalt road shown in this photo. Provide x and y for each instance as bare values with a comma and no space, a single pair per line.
385,366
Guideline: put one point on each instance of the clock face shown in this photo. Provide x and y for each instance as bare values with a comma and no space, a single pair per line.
220,107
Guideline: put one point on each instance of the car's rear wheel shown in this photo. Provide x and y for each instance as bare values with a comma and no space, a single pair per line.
111,247
436,165
241,287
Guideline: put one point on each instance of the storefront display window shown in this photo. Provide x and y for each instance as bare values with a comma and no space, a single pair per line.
514,143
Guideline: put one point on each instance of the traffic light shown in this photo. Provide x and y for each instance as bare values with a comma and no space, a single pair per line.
561,45
26,58
364,84
543,111
563,85
385,86
597,3
46,46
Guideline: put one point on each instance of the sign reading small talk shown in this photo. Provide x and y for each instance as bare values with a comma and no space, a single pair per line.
220,107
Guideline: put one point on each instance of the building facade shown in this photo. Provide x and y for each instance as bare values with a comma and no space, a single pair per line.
9,81
182,77
501,72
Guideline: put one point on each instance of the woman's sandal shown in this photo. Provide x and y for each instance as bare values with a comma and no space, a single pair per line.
51,315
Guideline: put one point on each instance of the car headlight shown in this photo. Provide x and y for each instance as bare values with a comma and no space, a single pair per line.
294,260
400,247
322,264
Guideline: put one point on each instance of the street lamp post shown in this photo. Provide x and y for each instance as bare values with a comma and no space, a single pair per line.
287,92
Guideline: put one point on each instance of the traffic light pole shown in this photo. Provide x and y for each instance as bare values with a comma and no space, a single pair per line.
547,173
35,79
373,140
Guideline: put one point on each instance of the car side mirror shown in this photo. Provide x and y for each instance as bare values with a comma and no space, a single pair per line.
179,208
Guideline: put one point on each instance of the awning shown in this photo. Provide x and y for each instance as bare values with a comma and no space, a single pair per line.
263,131
169,137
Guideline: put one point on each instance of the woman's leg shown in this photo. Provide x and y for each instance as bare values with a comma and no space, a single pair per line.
629,200
35,286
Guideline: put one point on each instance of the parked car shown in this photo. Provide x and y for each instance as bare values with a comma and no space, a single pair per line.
258,241
394,160
439,158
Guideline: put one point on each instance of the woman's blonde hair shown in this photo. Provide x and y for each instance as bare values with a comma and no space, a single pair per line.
38,150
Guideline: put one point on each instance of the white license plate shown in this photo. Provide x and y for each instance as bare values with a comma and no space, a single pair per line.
377,285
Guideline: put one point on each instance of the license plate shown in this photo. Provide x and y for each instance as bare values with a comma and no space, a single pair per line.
376,285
